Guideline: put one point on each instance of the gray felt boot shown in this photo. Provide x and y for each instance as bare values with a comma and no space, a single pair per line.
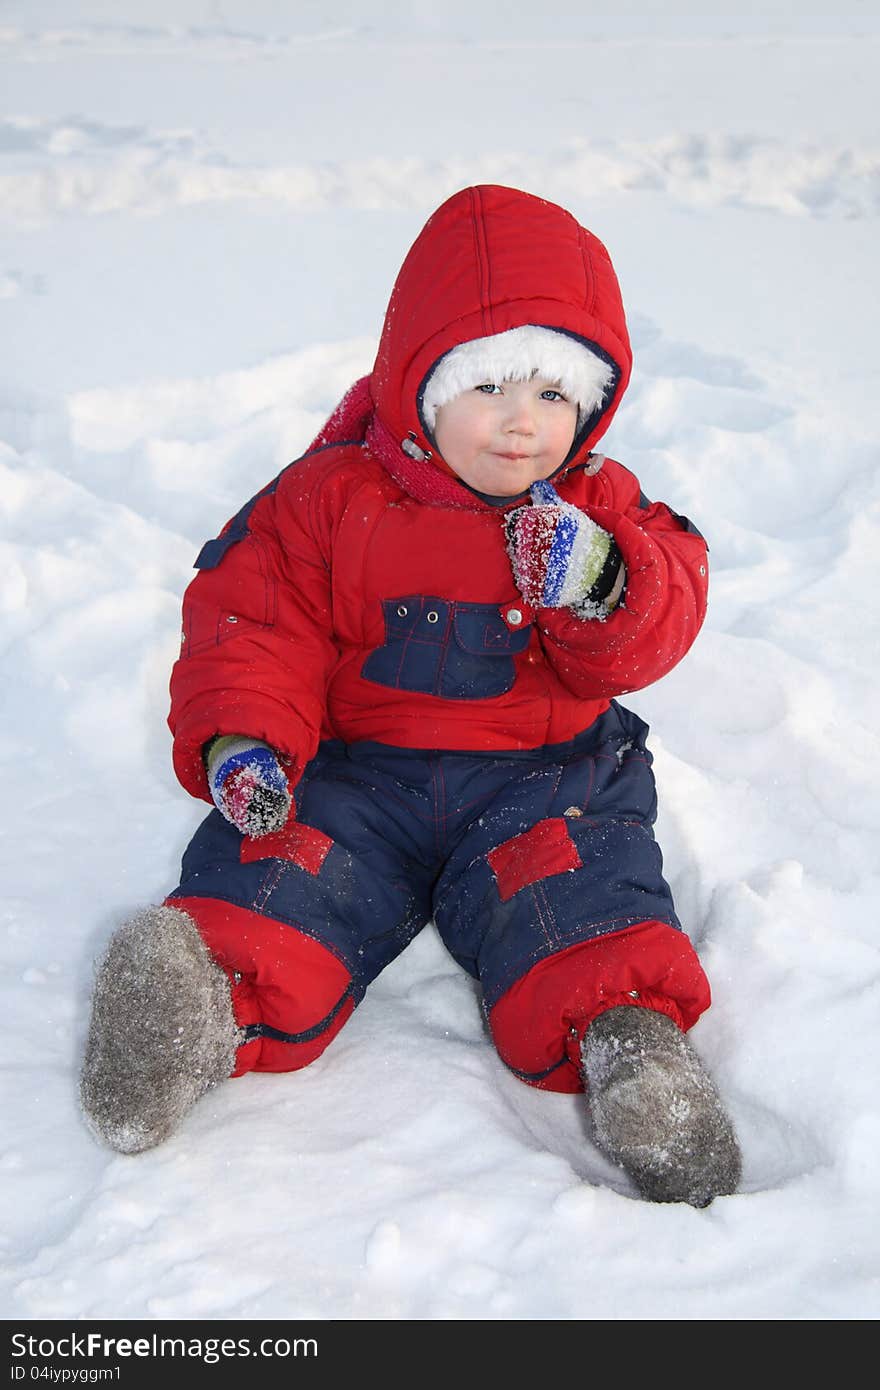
162,1031
655,1110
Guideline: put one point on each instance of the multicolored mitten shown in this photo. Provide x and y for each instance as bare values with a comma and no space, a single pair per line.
561,558
248,784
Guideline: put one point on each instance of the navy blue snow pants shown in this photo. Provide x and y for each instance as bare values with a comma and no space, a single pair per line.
539,869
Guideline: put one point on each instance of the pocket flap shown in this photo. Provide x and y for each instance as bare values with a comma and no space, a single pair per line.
481,629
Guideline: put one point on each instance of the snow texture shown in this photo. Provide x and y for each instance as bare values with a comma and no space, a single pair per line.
202,210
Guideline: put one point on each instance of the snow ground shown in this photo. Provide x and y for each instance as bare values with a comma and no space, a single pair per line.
202,208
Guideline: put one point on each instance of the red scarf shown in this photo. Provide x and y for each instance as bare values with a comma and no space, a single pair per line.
355,421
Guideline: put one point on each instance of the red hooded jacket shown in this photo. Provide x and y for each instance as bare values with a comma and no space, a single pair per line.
367,594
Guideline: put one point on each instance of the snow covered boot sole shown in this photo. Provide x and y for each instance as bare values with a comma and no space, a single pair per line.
162,1031
655,1110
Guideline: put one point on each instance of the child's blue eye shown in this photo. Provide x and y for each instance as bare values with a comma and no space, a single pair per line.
492,388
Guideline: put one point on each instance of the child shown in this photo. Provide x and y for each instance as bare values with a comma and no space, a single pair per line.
397,685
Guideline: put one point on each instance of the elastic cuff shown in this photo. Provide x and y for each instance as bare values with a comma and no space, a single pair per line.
639,999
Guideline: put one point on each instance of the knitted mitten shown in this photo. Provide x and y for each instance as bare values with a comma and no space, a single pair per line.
654,1109
561,558
162,1031
248,784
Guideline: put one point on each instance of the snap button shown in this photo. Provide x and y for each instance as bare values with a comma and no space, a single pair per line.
433,617
514,617
401,612
232,618
573,811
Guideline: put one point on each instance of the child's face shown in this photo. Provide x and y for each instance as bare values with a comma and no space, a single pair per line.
500,439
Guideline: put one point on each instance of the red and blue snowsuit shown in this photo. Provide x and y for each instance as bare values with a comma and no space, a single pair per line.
456,755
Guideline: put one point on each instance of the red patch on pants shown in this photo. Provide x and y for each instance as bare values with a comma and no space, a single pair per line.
301,844
280,978
544,850
538,1024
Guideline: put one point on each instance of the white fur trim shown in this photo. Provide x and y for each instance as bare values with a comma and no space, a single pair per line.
518,355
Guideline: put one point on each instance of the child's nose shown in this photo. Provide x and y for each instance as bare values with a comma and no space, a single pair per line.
520,417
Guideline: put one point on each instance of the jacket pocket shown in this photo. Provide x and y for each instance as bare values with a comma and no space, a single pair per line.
215,611
458,651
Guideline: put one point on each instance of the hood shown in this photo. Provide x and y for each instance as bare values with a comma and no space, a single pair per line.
488,260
